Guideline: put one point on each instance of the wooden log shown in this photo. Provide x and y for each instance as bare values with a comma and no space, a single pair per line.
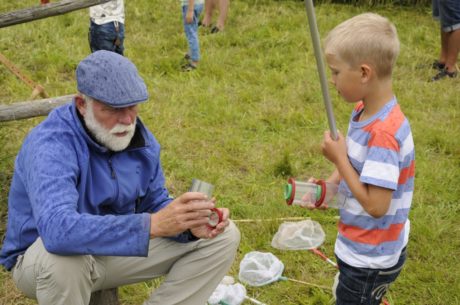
46,10
105,297
29,109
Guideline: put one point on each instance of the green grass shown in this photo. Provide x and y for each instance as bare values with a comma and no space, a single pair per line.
251,115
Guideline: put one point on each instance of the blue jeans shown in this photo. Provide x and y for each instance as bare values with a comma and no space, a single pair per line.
108,36
191,31
363,286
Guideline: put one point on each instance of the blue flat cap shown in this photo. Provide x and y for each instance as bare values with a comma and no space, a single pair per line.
112,79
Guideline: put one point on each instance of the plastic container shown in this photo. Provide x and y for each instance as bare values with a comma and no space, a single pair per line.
310,193
206,188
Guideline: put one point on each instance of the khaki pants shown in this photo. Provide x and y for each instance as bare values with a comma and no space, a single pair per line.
192,271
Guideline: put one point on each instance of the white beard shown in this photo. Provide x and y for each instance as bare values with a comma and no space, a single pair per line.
107,137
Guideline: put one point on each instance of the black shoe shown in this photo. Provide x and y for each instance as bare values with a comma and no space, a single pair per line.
188,67
443,74
215,30
437,65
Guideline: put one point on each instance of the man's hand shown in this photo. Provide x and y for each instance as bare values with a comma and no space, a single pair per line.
205,231
188,211
334,151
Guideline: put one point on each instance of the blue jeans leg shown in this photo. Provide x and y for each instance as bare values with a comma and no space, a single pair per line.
363,286
191,31
107,37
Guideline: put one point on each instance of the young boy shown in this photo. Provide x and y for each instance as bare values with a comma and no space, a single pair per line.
191,10
374,165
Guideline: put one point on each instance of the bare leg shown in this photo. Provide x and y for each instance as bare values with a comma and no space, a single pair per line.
443,53
223,12
209,6
453,46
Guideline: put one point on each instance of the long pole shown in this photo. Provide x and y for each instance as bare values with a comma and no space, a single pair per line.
320,64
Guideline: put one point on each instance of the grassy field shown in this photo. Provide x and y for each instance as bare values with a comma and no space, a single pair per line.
251,116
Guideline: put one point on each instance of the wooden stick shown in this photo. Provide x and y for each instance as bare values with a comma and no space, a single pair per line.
29,109
306,283
45,10
269,219
36,88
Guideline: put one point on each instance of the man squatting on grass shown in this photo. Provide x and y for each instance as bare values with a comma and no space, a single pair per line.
88,209
375,164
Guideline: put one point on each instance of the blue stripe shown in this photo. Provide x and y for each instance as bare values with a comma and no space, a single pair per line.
404,188
404,131
407,159
385,248
359,136
383,155
371,223
397,194
381,115
379,182
358,166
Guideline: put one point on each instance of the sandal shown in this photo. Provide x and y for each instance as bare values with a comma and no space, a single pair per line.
437,65
215,30
443,74
188,67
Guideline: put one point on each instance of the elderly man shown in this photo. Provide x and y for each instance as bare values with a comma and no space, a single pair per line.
88,209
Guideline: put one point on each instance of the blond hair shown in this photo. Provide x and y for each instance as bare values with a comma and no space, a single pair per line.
367,38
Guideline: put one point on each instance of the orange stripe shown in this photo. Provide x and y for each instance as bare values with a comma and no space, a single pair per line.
388,127
372,237
383,139
406,173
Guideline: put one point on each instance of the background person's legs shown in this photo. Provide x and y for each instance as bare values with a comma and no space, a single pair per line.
209,6
223,12
453,46
449,12
109,36
443,52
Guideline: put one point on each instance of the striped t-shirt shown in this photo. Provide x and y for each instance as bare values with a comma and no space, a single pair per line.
381,150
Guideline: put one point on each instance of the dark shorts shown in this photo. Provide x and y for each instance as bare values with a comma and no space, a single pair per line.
448,13
109,36
363,286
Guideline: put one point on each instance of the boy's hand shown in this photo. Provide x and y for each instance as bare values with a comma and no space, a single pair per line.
310,206
334,151
189,16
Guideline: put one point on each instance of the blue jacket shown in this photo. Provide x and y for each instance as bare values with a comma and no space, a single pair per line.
81,198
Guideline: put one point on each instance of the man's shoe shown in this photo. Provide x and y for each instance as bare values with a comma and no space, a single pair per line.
443,74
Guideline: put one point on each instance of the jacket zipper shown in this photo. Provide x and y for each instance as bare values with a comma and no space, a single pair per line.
112,171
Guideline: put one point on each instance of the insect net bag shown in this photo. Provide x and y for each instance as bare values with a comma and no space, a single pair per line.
302,235
233,294
260,268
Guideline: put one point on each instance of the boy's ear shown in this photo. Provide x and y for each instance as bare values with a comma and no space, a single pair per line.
366,72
